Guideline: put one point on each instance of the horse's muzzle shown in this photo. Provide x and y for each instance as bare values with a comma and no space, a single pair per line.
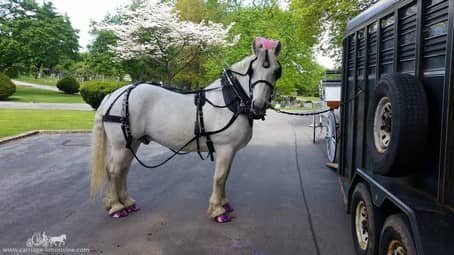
258,112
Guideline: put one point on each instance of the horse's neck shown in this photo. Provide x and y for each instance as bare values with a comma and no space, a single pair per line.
240,67
243,67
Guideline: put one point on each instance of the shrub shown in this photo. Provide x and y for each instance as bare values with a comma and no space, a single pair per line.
12,72
68,85
7,87
94,91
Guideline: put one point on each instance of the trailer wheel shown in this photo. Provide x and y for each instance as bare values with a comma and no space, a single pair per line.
365,221
397,125
395,238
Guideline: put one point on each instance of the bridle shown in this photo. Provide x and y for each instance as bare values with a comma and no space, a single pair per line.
246,103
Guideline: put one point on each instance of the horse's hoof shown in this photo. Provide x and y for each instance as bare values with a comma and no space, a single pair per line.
223,218
228,208
119,214
132,208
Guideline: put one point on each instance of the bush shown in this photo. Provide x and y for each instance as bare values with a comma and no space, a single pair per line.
7,87
12,72
94,91
68,85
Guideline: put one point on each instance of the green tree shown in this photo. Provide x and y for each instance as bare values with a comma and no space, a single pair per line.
300,72
101,59
35,34
325,18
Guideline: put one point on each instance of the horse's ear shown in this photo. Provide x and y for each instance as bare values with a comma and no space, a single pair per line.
277,50
256,44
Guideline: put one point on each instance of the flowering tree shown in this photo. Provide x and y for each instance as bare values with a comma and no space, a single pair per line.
152,31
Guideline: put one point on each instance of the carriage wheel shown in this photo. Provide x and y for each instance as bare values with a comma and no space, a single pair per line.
331,137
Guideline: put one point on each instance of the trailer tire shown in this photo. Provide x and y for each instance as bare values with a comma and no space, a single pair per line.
366,221
395,237
397,125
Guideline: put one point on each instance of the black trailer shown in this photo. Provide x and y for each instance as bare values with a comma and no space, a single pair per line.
397,129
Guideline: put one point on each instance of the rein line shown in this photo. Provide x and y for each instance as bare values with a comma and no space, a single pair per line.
361,91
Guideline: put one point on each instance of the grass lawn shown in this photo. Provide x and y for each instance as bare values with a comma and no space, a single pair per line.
15,121
28,94
42,81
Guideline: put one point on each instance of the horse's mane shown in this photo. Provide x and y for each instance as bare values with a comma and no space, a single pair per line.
243,65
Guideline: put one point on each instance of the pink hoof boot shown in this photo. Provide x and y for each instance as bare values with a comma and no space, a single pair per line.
223,218
132,208
119,214
228,208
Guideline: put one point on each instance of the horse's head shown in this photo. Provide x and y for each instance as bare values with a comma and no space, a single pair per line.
265,70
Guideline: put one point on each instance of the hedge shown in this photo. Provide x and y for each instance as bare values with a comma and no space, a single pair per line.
68,85
12,72
94,91
7,87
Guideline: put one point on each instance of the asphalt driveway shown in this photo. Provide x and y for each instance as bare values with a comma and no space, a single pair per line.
286,201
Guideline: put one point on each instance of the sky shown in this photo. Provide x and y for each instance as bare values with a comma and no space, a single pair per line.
81,12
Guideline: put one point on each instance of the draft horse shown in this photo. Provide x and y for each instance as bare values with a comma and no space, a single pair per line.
153,113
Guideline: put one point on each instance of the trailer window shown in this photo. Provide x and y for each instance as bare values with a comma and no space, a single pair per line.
435,33
387,21
409,10
372,28
361,55
372,51
351,57
407,38
437,29
387,45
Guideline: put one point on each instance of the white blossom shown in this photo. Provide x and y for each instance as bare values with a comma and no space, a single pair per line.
154,29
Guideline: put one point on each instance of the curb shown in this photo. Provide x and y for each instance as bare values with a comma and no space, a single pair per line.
37,132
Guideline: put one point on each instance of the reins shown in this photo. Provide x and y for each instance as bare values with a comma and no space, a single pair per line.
361,91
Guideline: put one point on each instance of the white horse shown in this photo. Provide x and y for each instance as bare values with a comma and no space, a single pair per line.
166,117
57,241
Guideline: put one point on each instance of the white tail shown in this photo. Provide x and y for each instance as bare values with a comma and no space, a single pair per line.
98,156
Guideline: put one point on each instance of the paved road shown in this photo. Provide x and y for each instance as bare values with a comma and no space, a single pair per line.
33,85
286,200
45,106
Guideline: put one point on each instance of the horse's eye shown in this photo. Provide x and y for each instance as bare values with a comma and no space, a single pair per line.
278,73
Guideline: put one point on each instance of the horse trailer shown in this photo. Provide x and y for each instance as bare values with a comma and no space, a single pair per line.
397,130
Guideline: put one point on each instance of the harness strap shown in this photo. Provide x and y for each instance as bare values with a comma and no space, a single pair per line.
111,118
125,122
199,128
238,89
232,120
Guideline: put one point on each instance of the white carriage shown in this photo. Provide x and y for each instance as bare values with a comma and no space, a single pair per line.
330,98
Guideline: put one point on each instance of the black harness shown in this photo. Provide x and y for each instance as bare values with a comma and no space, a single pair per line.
236,100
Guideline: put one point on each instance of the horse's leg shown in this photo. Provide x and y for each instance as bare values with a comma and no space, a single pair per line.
224,157
125,199
121,160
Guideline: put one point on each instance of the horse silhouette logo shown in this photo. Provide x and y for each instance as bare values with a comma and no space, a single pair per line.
43,240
